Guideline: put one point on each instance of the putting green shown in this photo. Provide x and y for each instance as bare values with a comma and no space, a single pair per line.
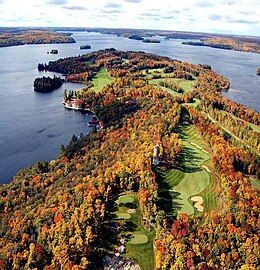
125,199
121,215
191,185
138,238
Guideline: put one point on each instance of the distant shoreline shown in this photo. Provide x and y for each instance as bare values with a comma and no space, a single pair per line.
10,39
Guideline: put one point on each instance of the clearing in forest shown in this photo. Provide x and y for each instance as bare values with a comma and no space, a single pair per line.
138,241
186,85
100,80
189,178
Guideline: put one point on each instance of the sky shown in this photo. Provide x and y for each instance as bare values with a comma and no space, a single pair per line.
219,16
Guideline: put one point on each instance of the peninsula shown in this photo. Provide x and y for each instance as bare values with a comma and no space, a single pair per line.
21,37
170,180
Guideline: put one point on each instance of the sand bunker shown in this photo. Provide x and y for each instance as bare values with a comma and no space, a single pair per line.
197,199
130,211
198,203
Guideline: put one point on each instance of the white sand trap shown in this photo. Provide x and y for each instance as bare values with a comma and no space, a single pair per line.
198,203
199,207
130,211
198,199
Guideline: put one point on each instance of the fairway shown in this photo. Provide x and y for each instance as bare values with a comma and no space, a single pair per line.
186,85
255,183
139,241
100,80
190,177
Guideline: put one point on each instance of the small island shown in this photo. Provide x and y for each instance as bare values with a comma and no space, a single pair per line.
85,47
136,37
151,40
47,84
54,51
258,71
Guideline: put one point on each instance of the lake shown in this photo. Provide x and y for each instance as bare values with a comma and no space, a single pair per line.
34,125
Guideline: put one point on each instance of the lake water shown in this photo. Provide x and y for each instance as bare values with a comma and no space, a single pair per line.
34,125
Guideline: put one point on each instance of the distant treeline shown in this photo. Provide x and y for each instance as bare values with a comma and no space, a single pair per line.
200,43
8,39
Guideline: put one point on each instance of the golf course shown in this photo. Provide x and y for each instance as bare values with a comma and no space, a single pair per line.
138,241
191,177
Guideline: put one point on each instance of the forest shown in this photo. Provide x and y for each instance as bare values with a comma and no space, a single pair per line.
47,84
13,38
104,202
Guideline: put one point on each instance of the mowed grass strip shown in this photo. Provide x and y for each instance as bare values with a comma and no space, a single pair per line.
186,85
139,245
190,178
255,183
100,80
172,177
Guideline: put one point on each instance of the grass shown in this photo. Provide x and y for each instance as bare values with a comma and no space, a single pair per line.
138,238
186,85
188,179
255,183
139,244
191,185
254,127
122,215
100,80
125,199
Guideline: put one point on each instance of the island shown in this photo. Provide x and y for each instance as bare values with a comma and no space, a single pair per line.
54,51
258,71
222,41
136,37
17,37
151,40
212,45
170,180
85,47
47,84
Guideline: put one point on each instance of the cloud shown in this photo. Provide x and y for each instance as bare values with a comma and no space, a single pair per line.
75,7
229,2
58,2
243,21
247,12
111,11
222,16
149,14
133,1
204,4
215,17
112,5
167,17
